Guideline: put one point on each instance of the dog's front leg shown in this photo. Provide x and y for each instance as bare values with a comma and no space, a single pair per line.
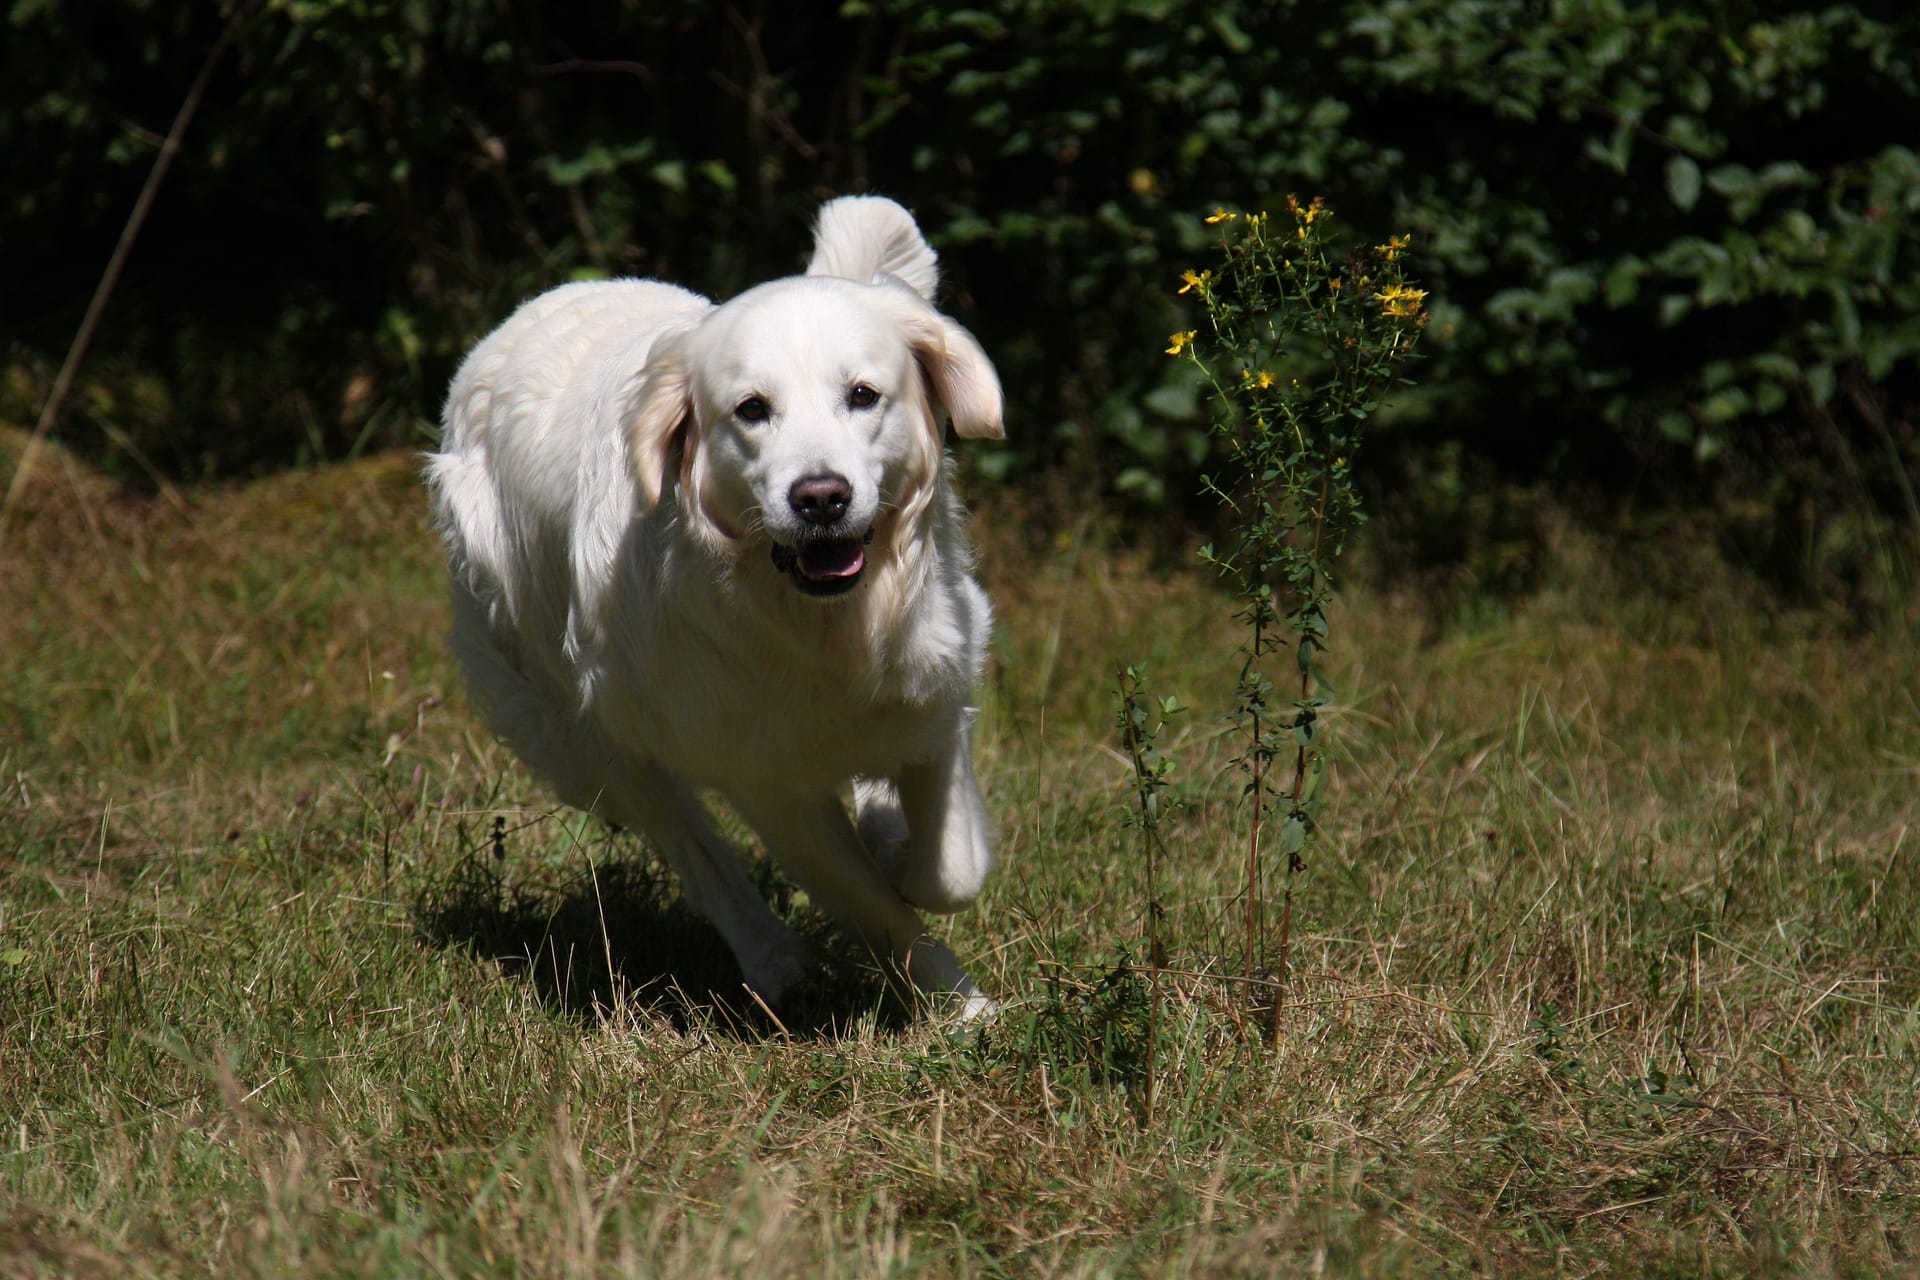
944,861
772,957
813,840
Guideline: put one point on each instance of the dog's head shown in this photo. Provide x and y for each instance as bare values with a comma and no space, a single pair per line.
807,411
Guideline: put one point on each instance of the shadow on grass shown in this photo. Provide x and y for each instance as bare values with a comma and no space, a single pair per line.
617,934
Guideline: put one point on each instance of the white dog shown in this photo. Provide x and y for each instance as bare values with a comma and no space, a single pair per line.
699,546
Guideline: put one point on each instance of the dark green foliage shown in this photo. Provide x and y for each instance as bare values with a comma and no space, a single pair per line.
1670,249
1102,1027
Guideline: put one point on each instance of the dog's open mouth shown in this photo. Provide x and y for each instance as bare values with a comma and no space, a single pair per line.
824,566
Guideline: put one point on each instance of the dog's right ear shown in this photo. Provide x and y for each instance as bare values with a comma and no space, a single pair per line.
868,238
658,419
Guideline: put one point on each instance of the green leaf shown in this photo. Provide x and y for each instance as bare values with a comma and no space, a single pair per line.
671,174
1315,780
1238,42
1293,835
1846,316
1683,182
1820,383
1676,426
1732,181
1623,281
1142,483
1690,136
1179,401
597,161
1725,406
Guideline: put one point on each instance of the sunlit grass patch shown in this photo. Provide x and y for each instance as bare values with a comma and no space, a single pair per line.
1607,962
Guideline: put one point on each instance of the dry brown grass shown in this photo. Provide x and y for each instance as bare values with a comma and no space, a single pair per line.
1607,965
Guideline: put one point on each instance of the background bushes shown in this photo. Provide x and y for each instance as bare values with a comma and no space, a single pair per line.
1672,250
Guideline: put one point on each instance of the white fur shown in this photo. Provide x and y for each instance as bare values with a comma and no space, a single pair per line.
610,516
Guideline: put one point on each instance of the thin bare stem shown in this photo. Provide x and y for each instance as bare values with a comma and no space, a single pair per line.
116,263
1258,784
1148,779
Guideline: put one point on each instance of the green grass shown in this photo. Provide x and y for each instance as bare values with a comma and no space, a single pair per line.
1609,963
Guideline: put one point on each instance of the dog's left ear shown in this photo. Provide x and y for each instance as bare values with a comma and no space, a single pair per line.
962,377
658,419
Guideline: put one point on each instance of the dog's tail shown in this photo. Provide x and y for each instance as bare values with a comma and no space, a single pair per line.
866,237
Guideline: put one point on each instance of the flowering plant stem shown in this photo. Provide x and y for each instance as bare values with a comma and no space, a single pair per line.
1298,349
1141,719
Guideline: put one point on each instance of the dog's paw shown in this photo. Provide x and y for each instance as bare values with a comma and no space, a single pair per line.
775,975
966,1006
949,992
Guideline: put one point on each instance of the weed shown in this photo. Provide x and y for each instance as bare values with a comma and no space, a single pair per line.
1299,348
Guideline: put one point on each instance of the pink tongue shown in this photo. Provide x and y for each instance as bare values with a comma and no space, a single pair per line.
832,558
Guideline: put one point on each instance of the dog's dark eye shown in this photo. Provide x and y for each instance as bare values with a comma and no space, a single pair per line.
752,409
862,396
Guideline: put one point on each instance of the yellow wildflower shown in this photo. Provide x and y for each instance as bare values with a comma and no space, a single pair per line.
1398,300
1180,341
1334,284
1195,281
1393,248
1221,215
1265,379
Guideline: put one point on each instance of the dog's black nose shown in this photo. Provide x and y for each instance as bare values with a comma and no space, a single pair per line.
820,499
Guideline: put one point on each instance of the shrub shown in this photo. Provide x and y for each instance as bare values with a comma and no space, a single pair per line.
1669,250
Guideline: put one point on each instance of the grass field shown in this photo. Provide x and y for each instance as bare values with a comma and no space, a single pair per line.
1609,963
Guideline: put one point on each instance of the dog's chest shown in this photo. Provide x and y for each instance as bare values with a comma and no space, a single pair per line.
722,708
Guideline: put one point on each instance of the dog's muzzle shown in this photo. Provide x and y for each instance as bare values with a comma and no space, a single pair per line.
824,566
